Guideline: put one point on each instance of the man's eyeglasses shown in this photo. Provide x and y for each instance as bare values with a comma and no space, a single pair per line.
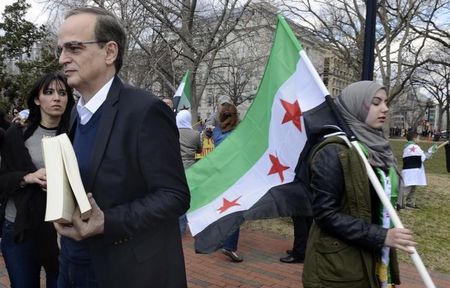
74,47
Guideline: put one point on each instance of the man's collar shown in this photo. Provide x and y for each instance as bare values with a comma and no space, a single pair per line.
86,110
97,100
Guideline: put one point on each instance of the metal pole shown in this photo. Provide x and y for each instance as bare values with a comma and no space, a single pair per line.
369,40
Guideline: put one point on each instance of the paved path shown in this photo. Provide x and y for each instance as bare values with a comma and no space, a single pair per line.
260,268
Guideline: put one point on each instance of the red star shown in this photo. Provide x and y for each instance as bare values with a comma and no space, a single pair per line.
413,149
293,113
228,204
277,167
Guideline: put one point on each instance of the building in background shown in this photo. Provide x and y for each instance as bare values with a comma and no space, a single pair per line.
412,110
239,67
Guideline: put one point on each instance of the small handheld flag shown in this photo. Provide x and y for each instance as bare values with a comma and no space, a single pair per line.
182,97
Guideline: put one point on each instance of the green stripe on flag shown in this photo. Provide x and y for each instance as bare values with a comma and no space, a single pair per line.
214,174
184,101
187,86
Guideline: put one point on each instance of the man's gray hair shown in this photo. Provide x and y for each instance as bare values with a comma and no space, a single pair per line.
107,28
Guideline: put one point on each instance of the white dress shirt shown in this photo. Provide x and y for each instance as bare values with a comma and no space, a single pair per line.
86,110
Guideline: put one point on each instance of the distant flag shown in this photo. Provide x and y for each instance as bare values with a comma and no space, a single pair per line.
251,174
182,97
433,148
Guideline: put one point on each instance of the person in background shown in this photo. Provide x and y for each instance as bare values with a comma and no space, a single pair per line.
199,125
189,145
302,224
413,172
213,120
168,102
228,121
126,143
352,242
2,135
14,113
28,243
4,124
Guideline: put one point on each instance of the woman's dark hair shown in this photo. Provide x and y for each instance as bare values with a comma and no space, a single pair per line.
228,117
34,117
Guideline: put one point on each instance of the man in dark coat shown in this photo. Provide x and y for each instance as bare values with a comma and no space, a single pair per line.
126,143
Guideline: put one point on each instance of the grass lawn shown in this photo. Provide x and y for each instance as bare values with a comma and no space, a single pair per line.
431,223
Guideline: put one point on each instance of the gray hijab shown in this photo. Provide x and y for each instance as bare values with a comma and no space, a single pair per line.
354,104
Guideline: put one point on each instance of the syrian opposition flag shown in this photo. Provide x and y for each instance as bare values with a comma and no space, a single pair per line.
413,172
182,97
250,175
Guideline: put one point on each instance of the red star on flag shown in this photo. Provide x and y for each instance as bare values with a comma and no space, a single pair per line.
413,149
293,113
277,167
228,204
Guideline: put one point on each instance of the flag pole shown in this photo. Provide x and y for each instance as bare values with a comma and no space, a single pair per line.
394,216
442,145
369,40
380,192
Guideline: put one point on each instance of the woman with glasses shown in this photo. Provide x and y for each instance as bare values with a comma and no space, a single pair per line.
28,243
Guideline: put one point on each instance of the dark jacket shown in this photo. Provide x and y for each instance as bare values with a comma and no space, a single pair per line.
30,200
137,178
345,240
2,136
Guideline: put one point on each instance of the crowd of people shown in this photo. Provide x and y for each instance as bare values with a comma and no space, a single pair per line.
133,149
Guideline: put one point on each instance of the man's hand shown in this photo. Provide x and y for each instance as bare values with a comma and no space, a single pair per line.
68,231
400,238
80,229
94,225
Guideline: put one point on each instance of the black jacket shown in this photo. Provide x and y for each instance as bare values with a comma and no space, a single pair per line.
327,203
346,240
137,178
2,135
30,200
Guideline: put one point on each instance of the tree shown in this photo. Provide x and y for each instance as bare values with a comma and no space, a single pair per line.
437,30
195,35
18,71
170,37
399,47
435,80
19,34
236,68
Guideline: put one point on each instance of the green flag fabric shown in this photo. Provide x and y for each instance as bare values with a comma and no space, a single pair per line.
182,97
230,184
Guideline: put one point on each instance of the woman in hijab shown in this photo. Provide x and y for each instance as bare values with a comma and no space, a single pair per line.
351,242
189,138
189,145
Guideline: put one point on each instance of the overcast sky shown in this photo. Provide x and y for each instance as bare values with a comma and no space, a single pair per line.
34,15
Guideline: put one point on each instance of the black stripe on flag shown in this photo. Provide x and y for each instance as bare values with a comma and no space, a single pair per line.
412,162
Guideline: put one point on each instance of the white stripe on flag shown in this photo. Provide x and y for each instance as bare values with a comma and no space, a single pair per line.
285,142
